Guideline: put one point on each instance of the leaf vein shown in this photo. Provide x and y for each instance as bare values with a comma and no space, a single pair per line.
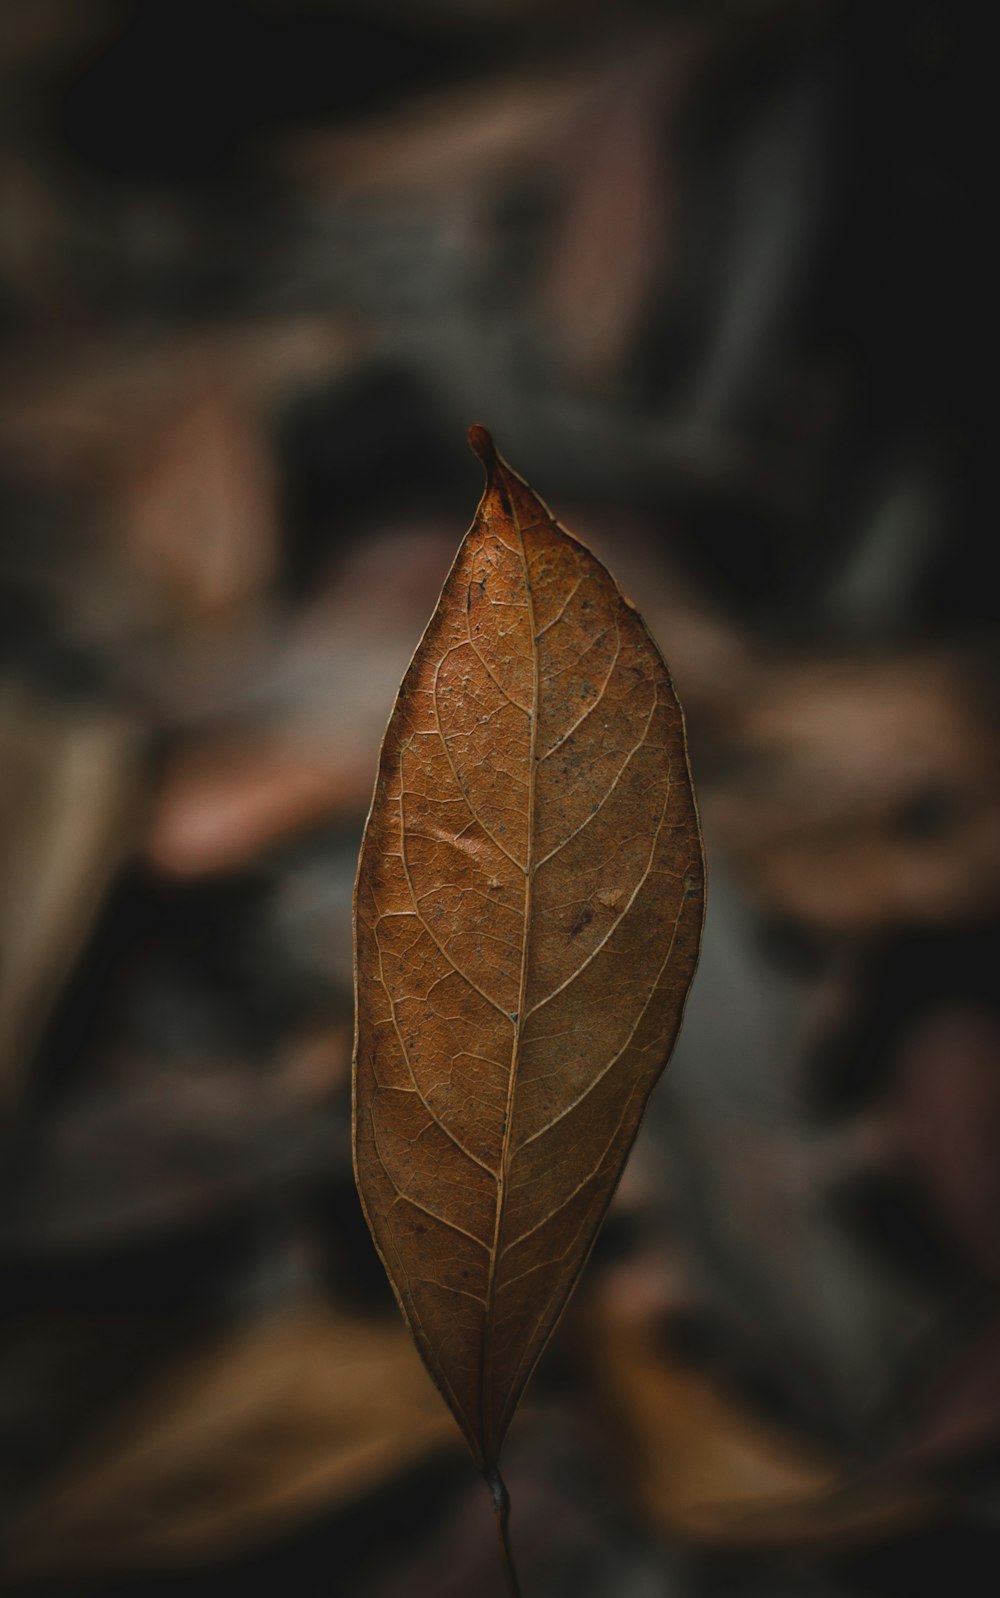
458,781
585,823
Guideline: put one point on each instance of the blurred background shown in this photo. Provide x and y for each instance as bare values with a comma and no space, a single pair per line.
706,270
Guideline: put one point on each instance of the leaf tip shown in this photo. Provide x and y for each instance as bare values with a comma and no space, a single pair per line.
481,444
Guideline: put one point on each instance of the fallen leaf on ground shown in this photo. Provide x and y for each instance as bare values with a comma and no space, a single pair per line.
70,812
863,793
708,1470
302,1413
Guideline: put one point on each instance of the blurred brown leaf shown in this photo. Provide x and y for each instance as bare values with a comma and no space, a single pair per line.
281,732
299,1414
707,1470
956,1417
154,1143
224,805
607,256
946,1116
197,506
70,810
858,793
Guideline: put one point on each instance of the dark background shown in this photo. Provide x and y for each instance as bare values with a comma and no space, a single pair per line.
712,274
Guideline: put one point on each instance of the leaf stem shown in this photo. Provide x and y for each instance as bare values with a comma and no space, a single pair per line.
501,1510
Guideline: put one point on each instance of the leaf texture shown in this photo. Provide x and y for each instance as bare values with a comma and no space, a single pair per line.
527,917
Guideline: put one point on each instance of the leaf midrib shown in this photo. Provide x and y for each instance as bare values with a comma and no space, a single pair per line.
490,1445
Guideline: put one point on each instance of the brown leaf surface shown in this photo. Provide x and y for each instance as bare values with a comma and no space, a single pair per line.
528,910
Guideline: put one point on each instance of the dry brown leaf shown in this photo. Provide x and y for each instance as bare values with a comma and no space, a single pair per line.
70,811
609,250
222,806
708,1470
862,793
945,1114
954,1418
197,505
306,1411
528,910
279,732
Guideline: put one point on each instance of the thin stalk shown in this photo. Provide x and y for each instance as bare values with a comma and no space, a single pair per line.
501,1510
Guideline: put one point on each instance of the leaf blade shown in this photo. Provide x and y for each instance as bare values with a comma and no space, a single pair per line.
527,916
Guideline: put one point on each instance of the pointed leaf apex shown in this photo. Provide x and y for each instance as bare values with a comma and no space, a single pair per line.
481,444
